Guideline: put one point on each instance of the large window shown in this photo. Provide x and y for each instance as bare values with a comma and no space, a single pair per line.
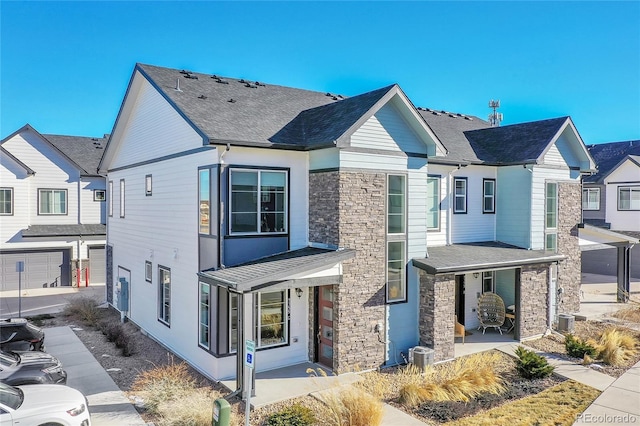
164,311
488,196
551,216
272,319
396,282
396,204
6,201
110,198
629,198
591,199
233,322
258,201
396,289
52,201
204,222
433,203
460,195
205,314
121,197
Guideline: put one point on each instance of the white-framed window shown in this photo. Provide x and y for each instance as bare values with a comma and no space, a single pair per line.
233,322
204,212
121,197
164,283
110,198
148,271
629,198
258,201
99,195
148,185
396,280
488,196
551,217
205,314
396,204
6,201
590,198
433,203
52,201
488,282
272,327
460,195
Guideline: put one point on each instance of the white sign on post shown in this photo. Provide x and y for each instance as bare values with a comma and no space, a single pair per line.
250,351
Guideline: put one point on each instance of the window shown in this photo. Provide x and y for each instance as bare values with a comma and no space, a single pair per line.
629,198
52,201
205,201
272,318
147,185
164,311
204,314
460,195
433,202
148,268
590,198
396,194
99,195
6,201
551,216
233,322
396,282
488,284
110,198
488,196
258,201
121,197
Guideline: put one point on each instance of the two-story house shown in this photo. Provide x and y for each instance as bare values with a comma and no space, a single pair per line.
327,228
52,210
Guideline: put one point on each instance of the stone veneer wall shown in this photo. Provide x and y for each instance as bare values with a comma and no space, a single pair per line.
347,208
437,308
534,300
569,271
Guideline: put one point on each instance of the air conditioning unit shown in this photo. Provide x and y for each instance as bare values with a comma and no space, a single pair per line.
565,323
421,356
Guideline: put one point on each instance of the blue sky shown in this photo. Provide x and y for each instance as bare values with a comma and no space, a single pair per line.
65,66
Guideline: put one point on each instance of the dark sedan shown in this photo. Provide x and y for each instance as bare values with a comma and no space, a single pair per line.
34,367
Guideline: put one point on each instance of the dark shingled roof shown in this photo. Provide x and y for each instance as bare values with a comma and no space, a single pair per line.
85,152
64,230
609,155
479,256
261,273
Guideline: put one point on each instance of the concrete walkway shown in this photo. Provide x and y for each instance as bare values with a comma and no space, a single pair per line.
107,404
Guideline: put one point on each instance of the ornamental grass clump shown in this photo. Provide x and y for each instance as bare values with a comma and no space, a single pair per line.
353,407
615,346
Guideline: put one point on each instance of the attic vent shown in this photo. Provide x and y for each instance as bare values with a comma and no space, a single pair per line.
94,139
468,118
185,72
249,85
420,109
202,97
259,84
219,80
443,111
452,115
192,76
341,97
460,115
435,113
427,109
328,94
335,98
233,101
242,81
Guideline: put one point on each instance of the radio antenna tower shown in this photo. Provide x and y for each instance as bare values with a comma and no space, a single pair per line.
495,117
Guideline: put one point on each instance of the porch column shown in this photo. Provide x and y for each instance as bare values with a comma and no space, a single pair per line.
437,309
624,274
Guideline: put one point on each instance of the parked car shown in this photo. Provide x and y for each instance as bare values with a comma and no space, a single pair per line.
33,405
18,334
30,368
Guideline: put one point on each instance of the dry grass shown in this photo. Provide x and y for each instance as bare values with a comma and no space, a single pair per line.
559,405
85,309
615,346
630,313
352,407
191,408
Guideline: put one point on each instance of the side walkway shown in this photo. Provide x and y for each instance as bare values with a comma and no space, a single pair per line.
107,404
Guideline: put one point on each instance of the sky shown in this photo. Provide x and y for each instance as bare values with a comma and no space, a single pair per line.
65,66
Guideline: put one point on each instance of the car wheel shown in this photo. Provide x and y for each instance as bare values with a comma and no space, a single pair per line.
50,424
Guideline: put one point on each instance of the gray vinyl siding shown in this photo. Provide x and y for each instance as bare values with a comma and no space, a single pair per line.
513,205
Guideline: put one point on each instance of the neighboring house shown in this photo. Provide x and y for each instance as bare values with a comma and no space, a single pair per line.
611,200
52,210
338,230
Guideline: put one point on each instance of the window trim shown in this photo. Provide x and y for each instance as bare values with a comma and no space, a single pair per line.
148,185
208,316
404,205
66,202
553,230
465,196
438,178
122,199
286,304
585,198
10,189
96,197
389,300
148,271
110,195
163,316
485,196
631,189
208,170
491,278
230,330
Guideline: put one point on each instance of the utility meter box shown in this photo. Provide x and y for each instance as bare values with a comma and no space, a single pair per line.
221,412
123,295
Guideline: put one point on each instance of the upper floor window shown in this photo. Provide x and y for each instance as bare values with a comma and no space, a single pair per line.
6,201
258,201
204,184
148,187
396,195
52,201
488,196
433,202
591,199
460,195
551,216
110,198
99,195
121,197
629,198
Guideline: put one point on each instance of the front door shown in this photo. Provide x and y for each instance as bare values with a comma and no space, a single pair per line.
324,334
460,298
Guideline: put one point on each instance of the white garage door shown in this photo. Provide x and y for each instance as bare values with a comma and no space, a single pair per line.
42,269
97,265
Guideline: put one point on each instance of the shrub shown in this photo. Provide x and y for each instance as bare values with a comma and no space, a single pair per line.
530,365
194,408
114,331
294,415
84,309
353,407
615,346
163,383
126,343
578,348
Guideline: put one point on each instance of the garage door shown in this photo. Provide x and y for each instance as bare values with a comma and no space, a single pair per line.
97,273
42,269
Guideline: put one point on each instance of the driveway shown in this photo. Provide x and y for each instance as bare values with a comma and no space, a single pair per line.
44,300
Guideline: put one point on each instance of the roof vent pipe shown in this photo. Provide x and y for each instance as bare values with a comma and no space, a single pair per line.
177,89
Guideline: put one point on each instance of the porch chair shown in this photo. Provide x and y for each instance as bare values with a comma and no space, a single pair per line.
491,312
459,329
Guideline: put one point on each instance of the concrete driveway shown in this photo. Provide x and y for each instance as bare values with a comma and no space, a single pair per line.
44,300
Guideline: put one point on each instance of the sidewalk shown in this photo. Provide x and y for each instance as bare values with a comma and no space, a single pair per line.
107,404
